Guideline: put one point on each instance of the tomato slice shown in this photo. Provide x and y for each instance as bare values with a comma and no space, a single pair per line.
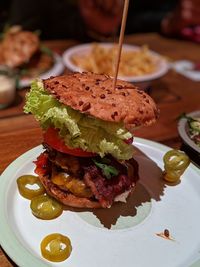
29,186
51,137
42,164
56,247
129,141
45,207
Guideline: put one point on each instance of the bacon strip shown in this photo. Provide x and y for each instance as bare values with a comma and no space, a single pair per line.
106,190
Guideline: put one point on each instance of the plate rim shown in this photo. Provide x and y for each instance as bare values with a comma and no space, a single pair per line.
183,134
8,240
135,79
59,64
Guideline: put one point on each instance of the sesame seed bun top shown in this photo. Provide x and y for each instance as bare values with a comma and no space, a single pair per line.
93,94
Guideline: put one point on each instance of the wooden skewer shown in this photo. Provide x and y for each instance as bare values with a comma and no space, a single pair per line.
121,39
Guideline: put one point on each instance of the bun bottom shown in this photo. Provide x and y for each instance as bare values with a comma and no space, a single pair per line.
66,198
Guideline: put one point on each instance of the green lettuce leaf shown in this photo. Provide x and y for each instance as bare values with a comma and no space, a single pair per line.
77,129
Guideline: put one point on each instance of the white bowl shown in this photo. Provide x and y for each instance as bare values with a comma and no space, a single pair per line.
162,65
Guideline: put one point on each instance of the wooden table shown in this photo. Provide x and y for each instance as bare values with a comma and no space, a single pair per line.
173,93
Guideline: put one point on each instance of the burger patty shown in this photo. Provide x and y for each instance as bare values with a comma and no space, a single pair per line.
91,178
67,198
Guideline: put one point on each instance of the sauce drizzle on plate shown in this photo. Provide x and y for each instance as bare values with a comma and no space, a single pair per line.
166,235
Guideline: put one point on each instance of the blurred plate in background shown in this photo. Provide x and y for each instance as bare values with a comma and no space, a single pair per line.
55,70
192,149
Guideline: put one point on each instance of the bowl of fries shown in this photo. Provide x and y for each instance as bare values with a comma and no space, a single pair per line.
137,64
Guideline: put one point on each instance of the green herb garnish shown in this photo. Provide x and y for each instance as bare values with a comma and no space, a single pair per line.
185,116
107,170
46,50
194,128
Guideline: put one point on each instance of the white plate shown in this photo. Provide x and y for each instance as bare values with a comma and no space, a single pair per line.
55,70
162,65
132,241
186,68
183,130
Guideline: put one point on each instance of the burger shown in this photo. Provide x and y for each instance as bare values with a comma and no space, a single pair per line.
88,128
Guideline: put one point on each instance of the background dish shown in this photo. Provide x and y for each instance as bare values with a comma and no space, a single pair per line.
56,69
161,70
121,246
183,129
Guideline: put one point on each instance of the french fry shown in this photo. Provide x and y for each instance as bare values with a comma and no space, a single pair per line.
102,60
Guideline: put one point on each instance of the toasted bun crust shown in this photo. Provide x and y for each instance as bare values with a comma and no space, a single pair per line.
94,95
65,198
